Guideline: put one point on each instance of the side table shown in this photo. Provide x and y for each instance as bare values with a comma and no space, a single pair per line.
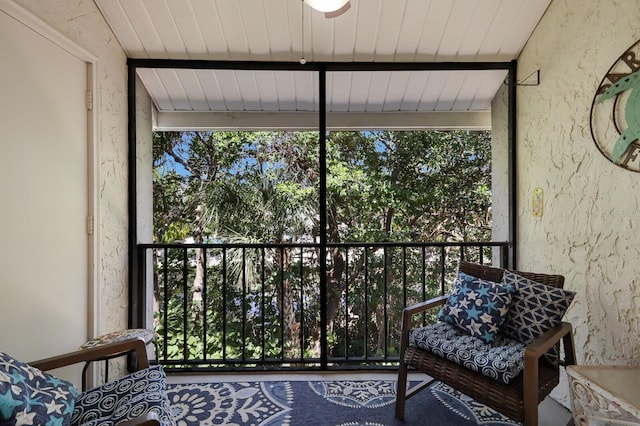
605,395
116,336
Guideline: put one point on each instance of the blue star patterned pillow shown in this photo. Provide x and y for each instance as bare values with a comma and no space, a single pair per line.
29,396
478,307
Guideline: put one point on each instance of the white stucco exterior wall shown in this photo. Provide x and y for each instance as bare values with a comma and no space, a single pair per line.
81,22
590,228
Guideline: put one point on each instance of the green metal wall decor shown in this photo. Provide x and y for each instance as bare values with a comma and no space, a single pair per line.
615,111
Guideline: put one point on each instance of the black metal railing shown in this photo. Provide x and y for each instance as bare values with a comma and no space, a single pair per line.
257,306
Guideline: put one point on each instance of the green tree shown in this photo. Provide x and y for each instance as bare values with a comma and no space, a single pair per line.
263,187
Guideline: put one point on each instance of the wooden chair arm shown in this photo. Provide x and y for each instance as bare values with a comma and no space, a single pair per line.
101,352
412,310
532,354
547,340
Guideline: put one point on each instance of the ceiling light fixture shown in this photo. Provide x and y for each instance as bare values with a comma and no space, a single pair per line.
331,8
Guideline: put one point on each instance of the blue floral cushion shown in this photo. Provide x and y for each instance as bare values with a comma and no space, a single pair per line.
124,399
502,359
29,396
477,306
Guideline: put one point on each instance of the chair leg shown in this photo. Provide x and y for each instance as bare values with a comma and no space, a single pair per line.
530,415
401,392
530,391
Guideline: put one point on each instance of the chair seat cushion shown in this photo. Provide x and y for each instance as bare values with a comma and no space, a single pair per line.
502,359
124,399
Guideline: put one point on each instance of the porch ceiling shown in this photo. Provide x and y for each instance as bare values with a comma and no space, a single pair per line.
371,31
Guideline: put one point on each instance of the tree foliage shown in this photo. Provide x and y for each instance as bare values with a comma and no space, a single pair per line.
263,187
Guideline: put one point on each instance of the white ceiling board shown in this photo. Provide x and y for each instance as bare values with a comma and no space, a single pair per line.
338,90
188,29
367,28
432,94
285,87
410,34
515,40
454,31
212,91
145,30
174,85
194,90
169,39
361,87
398,82
476,31
156,89
207,23
450,91
378,91
390,26
228,82
123,27
433,30
415,88
306,91
235,30
502,24
257,30
487,89
370,31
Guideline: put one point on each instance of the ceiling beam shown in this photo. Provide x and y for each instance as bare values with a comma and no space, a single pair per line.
256,121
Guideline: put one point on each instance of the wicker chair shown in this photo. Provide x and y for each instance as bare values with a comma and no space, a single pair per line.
135,399
519,398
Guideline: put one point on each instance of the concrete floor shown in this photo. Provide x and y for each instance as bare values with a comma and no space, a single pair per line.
551,413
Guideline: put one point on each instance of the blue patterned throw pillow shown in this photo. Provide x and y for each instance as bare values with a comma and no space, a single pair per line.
29,396
536,307
477,306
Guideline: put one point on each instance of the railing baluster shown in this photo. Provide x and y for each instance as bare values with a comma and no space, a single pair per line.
346,303
185,278
424,281
244,304
404,276
443,271
224,304
281,289
204,304
165,302
263,306
301,328
384,302
366,302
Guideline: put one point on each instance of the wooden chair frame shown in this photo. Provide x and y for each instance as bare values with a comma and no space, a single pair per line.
520,398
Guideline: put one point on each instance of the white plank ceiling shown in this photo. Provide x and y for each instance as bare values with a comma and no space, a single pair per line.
287,30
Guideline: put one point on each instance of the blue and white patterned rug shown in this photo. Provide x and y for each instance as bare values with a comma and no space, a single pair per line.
323,403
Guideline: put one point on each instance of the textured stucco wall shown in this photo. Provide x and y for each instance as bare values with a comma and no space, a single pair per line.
590,228
81,22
